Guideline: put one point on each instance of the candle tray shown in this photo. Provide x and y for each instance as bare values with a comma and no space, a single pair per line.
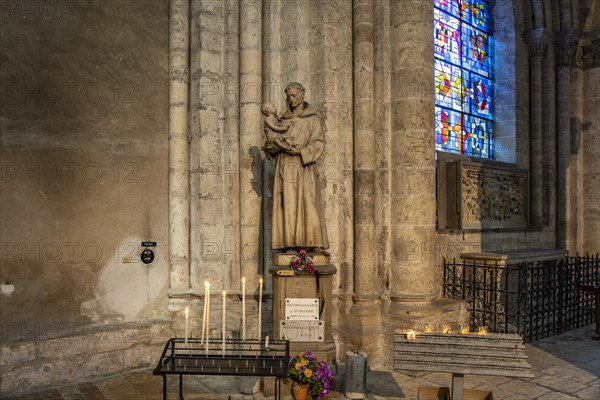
239,357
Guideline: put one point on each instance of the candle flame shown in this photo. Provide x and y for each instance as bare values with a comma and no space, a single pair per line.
482,331
261,281
411,335
224,293
244,280
446,329
206,284
464,330
186,311
428,328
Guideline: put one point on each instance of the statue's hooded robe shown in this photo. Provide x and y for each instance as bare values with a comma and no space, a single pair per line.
298,218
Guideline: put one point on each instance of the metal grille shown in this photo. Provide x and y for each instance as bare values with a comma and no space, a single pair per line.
533,299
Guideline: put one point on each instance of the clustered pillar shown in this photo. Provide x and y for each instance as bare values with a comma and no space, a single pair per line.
414,282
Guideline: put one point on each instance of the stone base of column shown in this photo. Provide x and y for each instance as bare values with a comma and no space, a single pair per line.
360,328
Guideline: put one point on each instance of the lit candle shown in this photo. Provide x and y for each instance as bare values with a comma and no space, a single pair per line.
243,308
207,316
204,312
260,310
267,342
428,328
411,335
464,330
224,317
186,324
482,331
446,328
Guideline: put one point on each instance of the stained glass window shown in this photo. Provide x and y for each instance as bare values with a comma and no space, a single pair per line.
464,78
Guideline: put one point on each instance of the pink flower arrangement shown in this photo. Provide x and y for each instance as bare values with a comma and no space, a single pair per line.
302,262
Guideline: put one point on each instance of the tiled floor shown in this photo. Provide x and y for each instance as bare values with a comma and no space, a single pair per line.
566,367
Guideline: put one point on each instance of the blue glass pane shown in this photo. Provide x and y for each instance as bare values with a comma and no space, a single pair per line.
479,96
476,140
476,51
476,13
449,85
447,37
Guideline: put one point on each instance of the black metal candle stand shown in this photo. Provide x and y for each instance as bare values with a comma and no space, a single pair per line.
233,357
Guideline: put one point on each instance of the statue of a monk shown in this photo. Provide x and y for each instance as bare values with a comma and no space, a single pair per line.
298,220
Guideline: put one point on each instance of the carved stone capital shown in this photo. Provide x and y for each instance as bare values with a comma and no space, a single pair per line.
566,49
538,41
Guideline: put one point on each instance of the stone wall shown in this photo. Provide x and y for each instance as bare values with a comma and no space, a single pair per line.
46,358
84,168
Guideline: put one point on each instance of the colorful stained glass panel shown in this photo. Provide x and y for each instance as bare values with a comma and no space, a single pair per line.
447,38
448,130
449,85
476,51
463,77
476,13
479,96
450,6
476,139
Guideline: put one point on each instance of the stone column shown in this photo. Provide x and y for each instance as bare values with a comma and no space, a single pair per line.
577,160
414,281
549,134
565,55
537,46
365,257
383,142
250,167
179,161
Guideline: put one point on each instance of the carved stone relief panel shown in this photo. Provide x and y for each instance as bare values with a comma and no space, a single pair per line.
481,196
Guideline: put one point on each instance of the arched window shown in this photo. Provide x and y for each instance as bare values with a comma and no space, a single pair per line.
463,51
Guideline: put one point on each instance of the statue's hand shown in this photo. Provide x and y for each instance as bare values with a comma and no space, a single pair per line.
292,151
271,149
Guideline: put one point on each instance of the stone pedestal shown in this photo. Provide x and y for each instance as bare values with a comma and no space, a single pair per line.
307,328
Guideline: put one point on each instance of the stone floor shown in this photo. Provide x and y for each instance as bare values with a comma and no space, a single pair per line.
566,367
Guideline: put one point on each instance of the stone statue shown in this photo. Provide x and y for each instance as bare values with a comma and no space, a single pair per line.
298,221
274,130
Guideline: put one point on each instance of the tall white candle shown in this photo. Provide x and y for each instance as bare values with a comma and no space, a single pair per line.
224,317
260,310
204,313
207,316
186,324
243,308
267,342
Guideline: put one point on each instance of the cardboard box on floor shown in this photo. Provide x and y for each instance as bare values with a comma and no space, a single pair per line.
443,393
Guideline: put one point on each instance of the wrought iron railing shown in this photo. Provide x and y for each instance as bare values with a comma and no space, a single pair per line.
534,299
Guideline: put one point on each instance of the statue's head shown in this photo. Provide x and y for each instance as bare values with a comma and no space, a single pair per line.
268,108
294,93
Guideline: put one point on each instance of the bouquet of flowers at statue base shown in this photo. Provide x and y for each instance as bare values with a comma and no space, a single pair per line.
302,262
305,369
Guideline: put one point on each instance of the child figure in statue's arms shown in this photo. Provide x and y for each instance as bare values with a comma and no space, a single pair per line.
274,130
